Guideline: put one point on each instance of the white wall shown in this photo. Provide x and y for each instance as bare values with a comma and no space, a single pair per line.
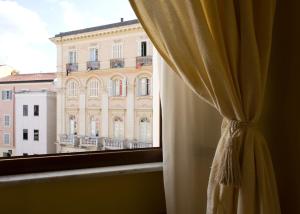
31,122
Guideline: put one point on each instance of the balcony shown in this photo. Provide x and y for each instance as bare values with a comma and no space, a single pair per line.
69,139
89,141
143,61
92,65
113,144
71,67
116,144
134,144
117,63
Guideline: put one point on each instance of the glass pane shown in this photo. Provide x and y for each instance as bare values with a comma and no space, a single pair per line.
107,107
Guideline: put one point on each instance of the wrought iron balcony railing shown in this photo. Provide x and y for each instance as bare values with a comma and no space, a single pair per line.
71,67
117,63
92,65
143,61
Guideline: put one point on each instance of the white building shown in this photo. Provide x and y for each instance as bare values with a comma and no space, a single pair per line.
35,122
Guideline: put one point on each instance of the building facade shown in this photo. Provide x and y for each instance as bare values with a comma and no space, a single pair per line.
9,85
104,88
35,118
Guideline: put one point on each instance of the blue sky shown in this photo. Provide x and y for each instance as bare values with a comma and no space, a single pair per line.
27,25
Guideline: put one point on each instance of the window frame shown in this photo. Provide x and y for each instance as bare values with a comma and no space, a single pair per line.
34,135
23,135
36,112
8,92
5,125
80,160
25,115
6,134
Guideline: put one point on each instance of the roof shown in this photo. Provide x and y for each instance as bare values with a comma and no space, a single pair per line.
101,27
34,77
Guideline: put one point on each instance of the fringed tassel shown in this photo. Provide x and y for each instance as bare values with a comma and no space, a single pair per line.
229,172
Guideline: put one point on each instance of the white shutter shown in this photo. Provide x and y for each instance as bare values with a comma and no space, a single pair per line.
137,87
3,95
110,88
139,50
124,87
93,127
72,126
149,51
150,87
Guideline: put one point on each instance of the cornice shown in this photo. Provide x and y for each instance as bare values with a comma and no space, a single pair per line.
90,35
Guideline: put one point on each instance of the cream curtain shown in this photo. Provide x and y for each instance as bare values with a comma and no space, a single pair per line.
221,50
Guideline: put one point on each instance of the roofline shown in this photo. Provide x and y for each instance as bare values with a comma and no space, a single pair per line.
97,28
26,81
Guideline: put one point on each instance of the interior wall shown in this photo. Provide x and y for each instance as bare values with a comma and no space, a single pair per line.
131,193
282,107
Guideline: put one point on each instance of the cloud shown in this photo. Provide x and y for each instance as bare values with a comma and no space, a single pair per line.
24,39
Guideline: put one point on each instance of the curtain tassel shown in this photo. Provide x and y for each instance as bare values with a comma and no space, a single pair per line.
229,172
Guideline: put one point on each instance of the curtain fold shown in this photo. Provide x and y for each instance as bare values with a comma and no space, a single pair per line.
221,50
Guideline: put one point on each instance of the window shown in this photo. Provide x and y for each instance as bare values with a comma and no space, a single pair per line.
25,110
145,130
94,131
143,48
72,125
36,110
72,57
6,120
25,134
93,54
118,128
35,134
7,95
72,88
118,87
6,139
93,86
117,51
143,86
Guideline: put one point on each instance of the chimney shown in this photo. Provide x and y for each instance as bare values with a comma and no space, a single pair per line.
122,19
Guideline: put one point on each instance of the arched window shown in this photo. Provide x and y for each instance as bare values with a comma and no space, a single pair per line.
118,87
145,130
143,86
93,87
118,128
72,88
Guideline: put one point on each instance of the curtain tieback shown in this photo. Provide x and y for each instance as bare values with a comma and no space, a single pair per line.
229,170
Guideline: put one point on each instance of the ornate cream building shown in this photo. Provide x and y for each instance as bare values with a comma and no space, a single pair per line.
104,88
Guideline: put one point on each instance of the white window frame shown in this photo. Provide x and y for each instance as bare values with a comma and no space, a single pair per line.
4,139
38,135
94,87
117,50
72,88
144,88
5,124
145,123
23,110
72,56
118,128
23,135
7,96
93,54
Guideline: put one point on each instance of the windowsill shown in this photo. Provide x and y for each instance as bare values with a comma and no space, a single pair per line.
99,171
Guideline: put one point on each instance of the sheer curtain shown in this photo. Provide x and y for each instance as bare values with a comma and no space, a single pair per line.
221,50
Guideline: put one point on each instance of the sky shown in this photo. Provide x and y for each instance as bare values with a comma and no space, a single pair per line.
27,25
